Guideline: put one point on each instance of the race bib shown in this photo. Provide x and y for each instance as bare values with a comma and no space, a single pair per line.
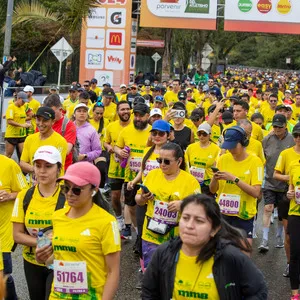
150,165
230,204
163,215
198,173
135,164
70,277
297,195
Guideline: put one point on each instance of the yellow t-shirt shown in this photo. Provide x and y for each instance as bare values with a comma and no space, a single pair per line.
250,171
69,105
1,259
112,133
38,216
17,114
151,163
201,160
268,114
33,142
136,140
86,239
11,180
190,106
96,126
296,112
195,279
255,147
33,105
170,96
97,90
294,172
166,191
215,133
285,159
257,133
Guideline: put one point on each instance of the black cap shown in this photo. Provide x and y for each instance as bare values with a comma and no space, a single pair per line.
108,92
279,120
281,106
227,116
46,112
73,88
196,114
182,95
296,128
84,95
141,108
178,105
211,108
94,80
139,99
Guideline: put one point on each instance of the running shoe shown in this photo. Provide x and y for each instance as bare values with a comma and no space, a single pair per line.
295,297
286,272
121,223
126,233
279,242
263,246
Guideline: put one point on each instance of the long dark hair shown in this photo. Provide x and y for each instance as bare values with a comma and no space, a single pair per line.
177,152
226,231
101,122
100,201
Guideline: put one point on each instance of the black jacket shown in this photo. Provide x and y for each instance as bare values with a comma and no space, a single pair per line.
235,274
6,67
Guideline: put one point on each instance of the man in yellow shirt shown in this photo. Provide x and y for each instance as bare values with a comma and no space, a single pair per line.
190,106
172,96
72,100
268,111
12,181
45,118
122,93
33,105
95,88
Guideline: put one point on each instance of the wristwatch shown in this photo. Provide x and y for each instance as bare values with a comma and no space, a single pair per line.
236,180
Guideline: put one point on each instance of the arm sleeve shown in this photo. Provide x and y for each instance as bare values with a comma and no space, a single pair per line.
95,147
18,181
9,115
18,211
25,153
280,163
110,241
107,136
257,172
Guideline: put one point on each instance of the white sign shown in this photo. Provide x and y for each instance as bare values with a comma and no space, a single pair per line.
207,49
115,38
62,49
95,38
94,59
104,77
134,28
114,60
184,8
116,17
205,63
97,17
156,57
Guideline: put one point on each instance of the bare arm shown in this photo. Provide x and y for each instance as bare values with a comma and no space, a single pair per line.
26,167
277,175
113,275
21,237
16,124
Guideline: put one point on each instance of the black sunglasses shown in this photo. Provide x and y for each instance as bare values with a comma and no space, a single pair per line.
75,190
277,126
296,135
159,133
164,160
202,133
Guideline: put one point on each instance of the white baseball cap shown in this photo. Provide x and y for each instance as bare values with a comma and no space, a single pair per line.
204,127
123,85
155,111
28,88
81,105
49,154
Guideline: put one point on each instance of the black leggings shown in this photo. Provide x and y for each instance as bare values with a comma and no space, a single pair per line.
103,168
39,281
293,230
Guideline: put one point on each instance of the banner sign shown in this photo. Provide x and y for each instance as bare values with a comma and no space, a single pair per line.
272,16
192,14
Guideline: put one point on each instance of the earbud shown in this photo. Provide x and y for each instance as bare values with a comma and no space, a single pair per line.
94,193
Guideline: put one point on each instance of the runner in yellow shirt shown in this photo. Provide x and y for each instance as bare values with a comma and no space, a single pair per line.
71,101
86,241
94,87
172,95
268,111
15,133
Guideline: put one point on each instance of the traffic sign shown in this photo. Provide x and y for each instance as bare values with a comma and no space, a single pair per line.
207,49
62,49
156,57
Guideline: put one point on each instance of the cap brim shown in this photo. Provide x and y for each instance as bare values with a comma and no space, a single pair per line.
229,145
296,131
278,124
140,112
47,159
74,179
206,131
43,116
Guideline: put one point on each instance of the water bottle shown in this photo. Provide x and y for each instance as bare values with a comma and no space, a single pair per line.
123,162
42,240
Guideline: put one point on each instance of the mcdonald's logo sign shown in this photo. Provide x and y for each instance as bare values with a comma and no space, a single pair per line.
115,38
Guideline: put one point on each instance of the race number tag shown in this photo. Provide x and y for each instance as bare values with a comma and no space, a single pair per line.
150,165
70,277
297,195
230,204
198,173
163,215
135,164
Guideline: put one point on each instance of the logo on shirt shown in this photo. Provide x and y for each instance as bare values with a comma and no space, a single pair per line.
86,232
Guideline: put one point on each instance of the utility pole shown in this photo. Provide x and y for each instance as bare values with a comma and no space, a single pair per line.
8,27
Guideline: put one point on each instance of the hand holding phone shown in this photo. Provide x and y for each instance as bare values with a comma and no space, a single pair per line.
215,170
144,188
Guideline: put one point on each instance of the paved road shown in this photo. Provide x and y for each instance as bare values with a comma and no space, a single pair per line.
272,265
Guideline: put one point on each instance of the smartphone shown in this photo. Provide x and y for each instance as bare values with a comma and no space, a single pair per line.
144,188
215,170
178,113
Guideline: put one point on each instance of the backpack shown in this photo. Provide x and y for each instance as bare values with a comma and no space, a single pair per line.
27,198
76,146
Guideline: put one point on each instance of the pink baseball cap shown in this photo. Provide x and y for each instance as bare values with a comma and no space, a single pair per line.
82,173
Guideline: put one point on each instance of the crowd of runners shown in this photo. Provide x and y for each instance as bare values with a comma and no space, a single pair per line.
178,167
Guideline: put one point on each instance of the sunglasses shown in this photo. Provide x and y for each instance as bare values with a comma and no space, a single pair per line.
202,133
75,190
164,160
133,88
159,133
272,101
296,135
85,85
277,126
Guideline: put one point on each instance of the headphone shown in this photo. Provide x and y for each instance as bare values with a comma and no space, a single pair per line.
94,193
245,141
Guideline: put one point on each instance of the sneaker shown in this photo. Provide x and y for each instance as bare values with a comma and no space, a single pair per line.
272,219
276,213
279,242
121,223
286,272
126,233
295,297
264,246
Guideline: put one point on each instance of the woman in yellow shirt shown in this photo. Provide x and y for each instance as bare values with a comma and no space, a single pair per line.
100,123
32,214
205,262
167,186
201,156
86,240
